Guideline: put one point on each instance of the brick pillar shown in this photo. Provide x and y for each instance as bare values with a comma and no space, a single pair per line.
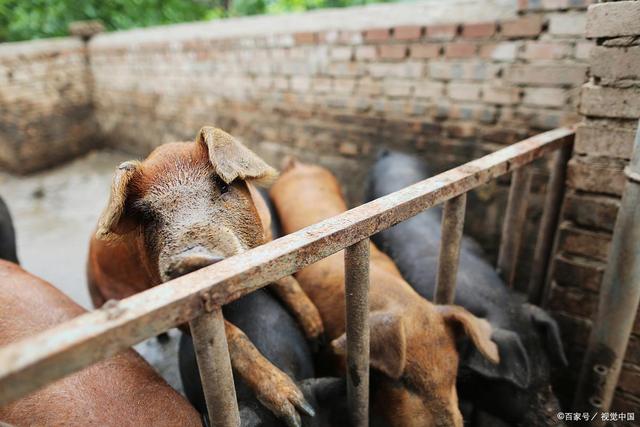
610,106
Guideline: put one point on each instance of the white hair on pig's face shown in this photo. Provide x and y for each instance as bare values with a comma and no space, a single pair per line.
189,197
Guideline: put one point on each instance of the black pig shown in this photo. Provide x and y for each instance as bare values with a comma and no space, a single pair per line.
517,390
278,337
7,235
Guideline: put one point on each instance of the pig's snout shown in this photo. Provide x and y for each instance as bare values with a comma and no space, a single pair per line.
188,261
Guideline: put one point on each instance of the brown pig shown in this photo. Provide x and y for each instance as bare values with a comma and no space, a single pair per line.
122,390
413,342
186,206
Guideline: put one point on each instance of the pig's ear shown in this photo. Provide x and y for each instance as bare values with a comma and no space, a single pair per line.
232,160
388,344
514,364
263,211
478,330
550,331
113,222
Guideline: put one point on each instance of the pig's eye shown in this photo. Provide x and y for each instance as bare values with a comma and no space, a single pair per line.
222,186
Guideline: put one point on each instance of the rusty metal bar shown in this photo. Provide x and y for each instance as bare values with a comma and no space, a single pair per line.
618,304
548,224
356,273
449,258
29,364
514,220
212,354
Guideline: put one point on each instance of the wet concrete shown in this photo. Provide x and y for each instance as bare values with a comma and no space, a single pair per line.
55,213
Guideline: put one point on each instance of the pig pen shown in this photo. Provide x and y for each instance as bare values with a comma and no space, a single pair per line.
332,87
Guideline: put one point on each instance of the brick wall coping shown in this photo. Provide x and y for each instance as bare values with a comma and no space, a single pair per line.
424,12
39,47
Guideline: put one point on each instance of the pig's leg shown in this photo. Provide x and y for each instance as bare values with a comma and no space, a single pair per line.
273,388
290,292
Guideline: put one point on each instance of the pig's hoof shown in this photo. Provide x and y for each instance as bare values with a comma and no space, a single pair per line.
312,325
285,400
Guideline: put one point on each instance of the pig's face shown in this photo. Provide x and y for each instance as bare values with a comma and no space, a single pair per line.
416,360
191,204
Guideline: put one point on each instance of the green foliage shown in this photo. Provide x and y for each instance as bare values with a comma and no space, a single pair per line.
29,19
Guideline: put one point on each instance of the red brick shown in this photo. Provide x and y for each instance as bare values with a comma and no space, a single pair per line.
604,141
616,63
503,51
613,19
408,32
305,38
546,50
341,53
424,51
593,211
527,26
583,242
350,37
504,95
567,24
459,70
583,50
596,174
565,75
366,52
578,272
630,381
392,51
396,87
376,34
545,97
429,89
479,30
610,102
348,148
464,91
573,301
460,50
442,32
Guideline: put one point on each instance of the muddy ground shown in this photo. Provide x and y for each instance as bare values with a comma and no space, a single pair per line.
54,213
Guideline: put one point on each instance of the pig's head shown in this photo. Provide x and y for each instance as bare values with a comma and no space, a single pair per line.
518,390
190,204
415,362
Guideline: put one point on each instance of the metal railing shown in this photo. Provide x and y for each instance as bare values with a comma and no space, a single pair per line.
197,298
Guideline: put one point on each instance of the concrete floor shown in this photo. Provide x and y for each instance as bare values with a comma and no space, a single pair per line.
54,213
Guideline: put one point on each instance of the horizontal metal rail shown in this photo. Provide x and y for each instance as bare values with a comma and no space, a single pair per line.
66,348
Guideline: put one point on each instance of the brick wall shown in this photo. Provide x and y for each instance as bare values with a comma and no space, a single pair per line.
610,105
452,80
45,103
454,83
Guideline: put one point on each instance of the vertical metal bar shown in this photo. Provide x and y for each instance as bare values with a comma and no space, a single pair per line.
514,221
212,354
450,239
356,265
548,223
619,300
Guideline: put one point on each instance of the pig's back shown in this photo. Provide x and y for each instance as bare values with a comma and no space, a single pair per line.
414,244
121,390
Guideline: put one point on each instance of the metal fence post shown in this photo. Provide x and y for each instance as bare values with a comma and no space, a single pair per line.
618,304
212,354
356,265
548,224
514,220
449,257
